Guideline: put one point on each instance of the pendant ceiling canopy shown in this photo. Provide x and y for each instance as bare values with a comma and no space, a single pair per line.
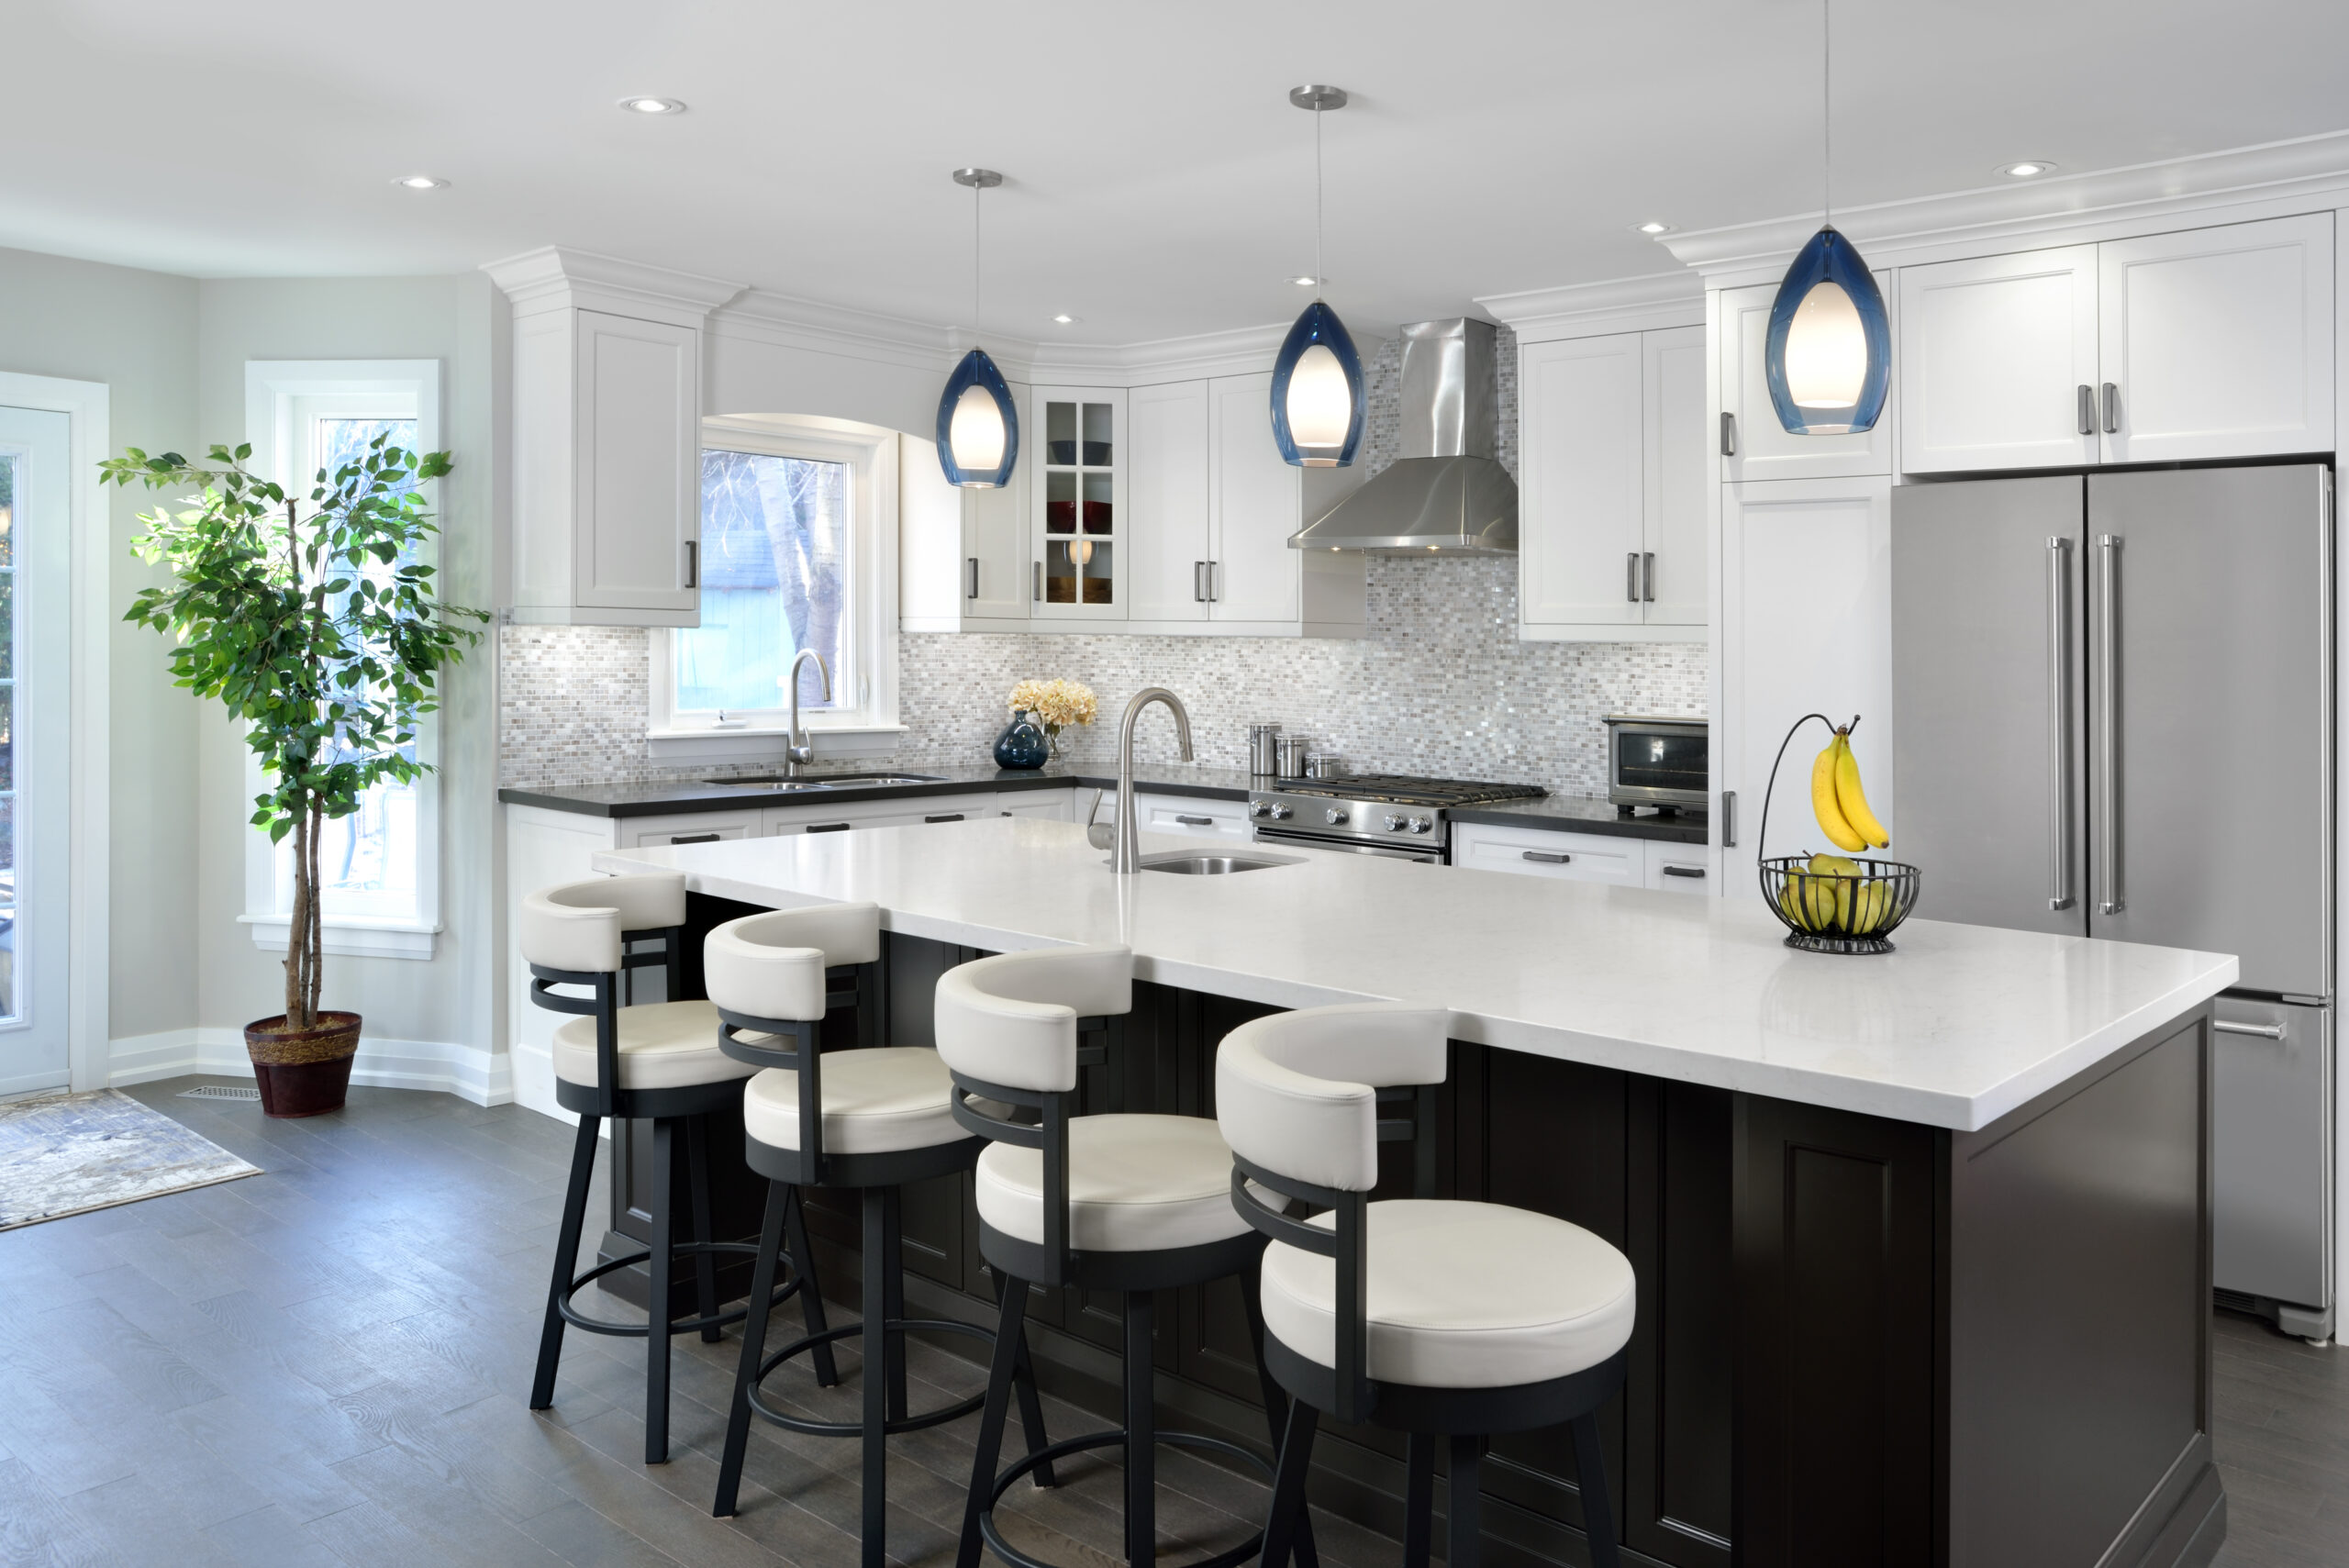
978,425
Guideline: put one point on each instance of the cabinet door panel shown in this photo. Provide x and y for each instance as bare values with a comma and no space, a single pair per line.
1806,626
1764,448
994,530
1253,504
1580,515
639,461
1993,355
2219,341
1673,387
1167,436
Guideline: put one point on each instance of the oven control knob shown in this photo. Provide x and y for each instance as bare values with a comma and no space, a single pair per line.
1280,813
1261,808
1421,824
1335,816
1394,822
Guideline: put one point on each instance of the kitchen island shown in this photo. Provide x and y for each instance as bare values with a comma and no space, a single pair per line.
1922,1240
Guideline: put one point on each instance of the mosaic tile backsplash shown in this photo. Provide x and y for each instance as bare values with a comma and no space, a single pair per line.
1439,685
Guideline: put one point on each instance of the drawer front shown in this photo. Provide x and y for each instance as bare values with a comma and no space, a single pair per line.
1044,805
1569,857
910,812
1679,868
1203,818
687,828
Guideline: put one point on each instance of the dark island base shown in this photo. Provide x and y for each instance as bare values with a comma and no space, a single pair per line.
1860,1343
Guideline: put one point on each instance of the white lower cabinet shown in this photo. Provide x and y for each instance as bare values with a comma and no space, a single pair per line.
1183,814
911,811
1584,857
684,827
1679,868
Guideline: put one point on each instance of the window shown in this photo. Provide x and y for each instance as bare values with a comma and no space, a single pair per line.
379,866
798,533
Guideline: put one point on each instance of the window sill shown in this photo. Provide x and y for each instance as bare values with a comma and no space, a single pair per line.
762,744
350,936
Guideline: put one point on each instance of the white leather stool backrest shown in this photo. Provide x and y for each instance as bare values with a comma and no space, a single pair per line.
772,965
1011,1019
1297,1093
576,925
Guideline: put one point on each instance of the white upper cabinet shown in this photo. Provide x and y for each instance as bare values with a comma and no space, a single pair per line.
2218,342
1611,512
1255,505
1997,361
963,557
1078,488
1752,442
2204,343
1167,486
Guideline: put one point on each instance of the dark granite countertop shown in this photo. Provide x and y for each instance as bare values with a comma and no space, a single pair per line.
1579,814
664,796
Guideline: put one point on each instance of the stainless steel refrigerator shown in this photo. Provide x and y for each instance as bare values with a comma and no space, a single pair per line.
2112,703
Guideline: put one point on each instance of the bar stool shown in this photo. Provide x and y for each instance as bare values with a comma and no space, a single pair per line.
1127,1203
1435,1319
870,1118
657,1063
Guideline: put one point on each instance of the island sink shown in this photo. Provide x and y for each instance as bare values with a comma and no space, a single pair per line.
1186,863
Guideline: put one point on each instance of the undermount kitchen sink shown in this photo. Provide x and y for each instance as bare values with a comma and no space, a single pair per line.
836,781
1192,863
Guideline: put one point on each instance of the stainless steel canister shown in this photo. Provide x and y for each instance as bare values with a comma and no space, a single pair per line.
1325,765
1290,754
1264,749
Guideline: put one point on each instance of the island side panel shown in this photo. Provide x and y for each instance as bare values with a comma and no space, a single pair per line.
2079,1368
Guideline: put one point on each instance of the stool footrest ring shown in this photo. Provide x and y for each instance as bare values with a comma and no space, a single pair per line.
578,1319
915,1422
1229,1558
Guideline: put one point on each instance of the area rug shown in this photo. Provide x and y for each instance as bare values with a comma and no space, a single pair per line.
70,1153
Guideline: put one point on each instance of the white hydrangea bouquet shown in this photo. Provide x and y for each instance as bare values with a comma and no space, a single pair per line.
1055,705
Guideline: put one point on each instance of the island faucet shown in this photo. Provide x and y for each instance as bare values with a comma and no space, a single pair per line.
1127,858
799,747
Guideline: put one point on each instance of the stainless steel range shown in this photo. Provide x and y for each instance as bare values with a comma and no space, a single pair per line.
1371,813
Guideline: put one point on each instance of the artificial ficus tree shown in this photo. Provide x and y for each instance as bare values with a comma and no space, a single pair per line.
314,619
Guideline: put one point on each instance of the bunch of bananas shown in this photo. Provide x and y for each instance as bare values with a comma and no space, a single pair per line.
1835,893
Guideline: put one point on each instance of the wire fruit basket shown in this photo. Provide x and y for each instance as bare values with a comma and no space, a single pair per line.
1825,907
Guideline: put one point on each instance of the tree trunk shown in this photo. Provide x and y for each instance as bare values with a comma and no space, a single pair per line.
297,934
318,926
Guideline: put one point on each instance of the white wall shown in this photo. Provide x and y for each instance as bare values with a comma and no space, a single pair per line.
135,332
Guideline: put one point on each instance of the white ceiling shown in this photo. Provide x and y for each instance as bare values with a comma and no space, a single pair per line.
1159,185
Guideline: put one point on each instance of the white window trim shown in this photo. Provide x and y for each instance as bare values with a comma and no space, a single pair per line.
272,390
857,729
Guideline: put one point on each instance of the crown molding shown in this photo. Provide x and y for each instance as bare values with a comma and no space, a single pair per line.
555,276
788,321
2306,169
1241,351
1611,305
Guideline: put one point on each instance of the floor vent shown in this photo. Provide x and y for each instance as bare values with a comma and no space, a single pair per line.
220,1092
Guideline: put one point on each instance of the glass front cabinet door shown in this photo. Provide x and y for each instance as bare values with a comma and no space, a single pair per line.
1080,491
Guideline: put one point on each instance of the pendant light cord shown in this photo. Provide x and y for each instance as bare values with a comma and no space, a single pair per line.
975,267
1826,117
1317,203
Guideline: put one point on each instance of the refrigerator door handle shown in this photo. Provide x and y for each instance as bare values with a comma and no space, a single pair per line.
2059,723
2111,897
2264,1031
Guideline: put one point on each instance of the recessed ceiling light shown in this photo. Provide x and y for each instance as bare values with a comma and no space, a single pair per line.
1065,319
1307,282
419,183
1652,228
2029,169
653,105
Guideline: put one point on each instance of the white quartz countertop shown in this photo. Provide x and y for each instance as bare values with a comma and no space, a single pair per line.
1963,1024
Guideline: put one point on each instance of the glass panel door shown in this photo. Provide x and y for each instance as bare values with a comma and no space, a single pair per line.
35,593
1082,493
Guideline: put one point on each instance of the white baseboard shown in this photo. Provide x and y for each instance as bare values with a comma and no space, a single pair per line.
486,1078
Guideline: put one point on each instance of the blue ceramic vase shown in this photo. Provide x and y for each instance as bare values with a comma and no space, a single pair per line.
1022,744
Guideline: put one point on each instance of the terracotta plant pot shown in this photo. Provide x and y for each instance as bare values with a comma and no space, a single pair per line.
303,1071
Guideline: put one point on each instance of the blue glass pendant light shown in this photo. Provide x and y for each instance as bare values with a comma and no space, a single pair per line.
978,426
1828,358
1317,403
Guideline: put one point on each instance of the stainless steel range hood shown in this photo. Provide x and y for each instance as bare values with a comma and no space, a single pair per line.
1444,493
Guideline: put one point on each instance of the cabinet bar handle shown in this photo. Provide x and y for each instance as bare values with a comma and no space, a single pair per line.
1548,857
1728,434
1040,583
692,564
2264,1031
2112,897
827,827
972,591
1196,821
692,838
1647,576
1198,582
1215,581
1685,871
2059,722
2087,409
2111,409
945,816
1728,818
1632,575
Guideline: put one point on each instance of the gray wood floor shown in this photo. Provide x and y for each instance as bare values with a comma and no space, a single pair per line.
328,1363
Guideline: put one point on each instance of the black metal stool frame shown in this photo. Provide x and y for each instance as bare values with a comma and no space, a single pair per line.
1466,1416
665,1108
878,1176
1019,1264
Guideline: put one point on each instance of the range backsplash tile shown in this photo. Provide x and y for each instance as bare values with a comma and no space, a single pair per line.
1439,685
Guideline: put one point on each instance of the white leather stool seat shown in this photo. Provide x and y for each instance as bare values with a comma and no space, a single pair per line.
1461,1296
663,1045
1136,1184
876,1100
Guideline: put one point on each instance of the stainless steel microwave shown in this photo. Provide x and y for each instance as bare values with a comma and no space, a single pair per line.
1662,762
